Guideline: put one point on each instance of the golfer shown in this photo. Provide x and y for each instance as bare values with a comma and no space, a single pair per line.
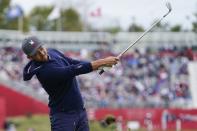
57,75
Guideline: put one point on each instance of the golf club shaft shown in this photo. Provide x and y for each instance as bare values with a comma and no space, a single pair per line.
131,45
148,30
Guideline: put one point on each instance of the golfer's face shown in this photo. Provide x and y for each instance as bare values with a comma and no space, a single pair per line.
41,55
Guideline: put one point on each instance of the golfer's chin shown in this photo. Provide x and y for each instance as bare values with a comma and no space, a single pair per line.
45,58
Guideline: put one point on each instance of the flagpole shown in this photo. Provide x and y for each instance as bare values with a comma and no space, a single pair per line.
59,23
85,20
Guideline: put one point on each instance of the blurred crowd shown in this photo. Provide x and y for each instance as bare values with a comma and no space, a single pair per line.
143,78
12,61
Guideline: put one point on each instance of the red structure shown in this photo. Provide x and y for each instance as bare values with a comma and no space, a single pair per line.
13,103
2,111
19,104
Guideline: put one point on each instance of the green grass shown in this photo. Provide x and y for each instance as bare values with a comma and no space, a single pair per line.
41,123
38,122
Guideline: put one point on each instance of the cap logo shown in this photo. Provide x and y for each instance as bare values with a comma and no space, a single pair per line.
31,42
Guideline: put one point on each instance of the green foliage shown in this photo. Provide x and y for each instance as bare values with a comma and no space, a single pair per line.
41,123
194,24
25,24
4,4
113,30
38,17
176,28
136,28
70,20
11,24
161,26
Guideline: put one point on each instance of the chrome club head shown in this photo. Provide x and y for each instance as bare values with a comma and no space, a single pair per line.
168,5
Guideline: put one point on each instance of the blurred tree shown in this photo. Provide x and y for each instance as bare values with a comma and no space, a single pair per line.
176,28
136,28
70,20
194,24
12,24
4,4
14,17
10,16
113,30
25,24
38,18
162,27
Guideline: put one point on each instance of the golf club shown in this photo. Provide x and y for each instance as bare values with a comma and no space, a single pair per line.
168,5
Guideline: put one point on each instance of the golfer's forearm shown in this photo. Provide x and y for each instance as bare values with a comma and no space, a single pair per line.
97,63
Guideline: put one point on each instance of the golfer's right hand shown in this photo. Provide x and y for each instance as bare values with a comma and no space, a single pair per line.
110,61
105,62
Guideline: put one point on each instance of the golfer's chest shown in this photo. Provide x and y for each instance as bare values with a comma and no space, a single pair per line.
60,62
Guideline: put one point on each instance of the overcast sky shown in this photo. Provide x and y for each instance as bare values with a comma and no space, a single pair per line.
124,12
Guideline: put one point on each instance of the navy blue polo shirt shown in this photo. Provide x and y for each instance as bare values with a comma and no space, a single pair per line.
58,77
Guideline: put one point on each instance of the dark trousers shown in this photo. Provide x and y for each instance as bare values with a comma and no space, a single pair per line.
69,121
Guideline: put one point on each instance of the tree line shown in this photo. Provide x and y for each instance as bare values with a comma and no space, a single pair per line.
69,20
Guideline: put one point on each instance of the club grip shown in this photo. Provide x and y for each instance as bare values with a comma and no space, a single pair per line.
101,71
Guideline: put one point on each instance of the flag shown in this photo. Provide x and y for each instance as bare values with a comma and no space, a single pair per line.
55,13
14,12
96,13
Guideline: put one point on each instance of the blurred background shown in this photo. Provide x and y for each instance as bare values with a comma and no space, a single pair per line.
153,88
